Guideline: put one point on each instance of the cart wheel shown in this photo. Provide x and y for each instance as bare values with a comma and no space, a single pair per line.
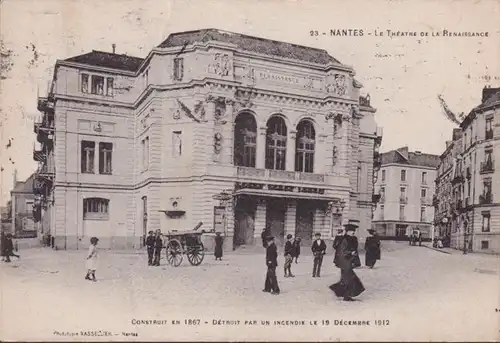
195,254
174,252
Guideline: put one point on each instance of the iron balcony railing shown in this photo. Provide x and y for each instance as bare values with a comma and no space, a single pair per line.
488,134
486,198
487,167
403,199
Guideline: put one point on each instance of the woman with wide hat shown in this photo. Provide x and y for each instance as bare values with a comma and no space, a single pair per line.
372,249
349,285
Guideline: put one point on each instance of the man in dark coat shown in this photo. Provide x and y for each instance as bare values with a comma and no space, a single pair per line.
318,248
349,285
158,245
336,245
288,256
372,248
296,249
264,235
219,241
9,248
271,284
150,244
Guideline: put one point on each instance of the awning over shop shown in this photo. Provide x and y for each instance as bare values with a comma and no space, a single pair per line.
282,194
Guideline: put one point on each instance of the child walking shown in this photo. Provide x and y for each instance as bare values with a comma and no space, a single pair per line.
92,259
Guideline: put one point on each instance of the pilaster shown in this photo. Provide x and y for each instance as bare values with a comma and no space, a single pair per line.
319,223
290,151
261,148
228,134
260,217
290,218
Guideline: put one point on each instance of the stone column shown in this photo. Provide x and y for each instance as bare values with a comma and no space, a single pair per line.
290,218
261,148
320,159
343,145
260,219
290,151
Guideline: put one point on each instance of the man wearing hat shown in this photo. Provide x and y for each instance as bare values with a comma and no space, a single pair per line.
271,284
288,256
349,285
318,249
150,244
372,249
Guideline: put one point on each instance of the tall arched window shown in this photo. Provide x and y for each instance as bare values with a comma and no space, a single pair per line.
276,143
245,140
304,147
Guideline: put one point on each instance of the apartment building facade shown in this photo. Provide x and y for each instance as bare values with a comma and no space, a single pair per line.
406,187
234,131
478,178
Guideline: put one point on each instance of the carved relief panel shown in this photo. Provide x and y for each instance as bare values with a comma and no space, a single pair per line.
222,65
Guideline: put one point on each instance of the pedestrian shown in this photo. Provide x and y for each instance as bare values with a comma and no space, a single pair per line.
3,242
288,256
296,248
9,248
158,245
336,245
349,285
372,249
150,244
219,241
264,235
92,257
318,249
271,284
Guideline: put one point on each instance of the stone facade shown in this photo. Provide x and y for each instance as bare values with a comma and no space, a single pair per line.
146,144
406,188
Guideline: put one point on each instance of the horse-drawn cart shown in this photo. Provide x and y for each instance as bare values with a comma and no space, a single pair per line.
180,243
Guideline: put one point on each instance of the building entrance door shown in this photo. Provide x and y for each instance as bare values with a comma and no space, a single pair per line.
244,226
304,222
275,220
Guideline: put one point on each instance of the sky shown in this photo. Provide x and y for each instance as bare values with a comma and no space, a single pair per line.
402,74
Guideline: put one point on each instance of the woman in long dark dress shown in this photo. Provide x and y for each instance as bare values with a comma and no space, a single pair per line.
218,246
372,248
349,285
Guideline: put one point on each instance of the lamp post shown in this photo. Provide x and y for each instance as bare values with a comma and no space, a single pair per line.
335,207
224,197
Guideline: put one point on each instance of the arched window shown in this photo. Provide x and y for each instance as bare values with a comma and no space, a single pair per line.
276,143
304,147
95,208
245,140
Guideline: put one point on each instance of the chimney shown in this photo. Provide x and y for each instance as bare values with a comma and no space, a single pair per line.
488,92
15,178
114,47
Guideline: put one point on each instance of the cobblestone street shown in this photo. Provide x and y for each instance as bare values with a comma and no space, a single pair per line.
418,293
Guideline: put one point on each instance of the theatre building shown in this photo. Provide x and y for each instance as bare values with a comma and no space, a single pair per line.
236,132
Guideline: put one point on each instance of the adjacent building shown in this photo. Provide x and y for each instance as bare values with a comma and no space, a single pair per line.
447,199
406,187
22,203
480,178
236,132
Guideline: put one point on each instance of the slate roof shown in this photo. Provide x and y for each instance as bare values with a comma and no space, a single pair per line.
491,100
108,60
24,186
251,44
403,156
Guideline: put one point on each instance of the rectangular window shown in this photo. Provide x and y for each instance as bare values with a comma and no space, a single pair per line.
95,208
382,208
489,128
403,175
402,212
402,191
109,86
178,69
87,156
177,143
423,193
424,178
383,175
422,214
486,222
85,83
382,193
485,245
145,153
105,156
97,86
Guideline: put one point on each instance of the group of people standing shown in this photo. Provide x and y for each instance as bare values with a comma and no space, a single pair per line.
346,258
154,244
